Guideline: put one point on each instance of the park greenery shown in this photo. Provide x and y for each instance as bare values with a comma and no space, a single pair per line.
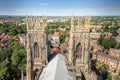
13,56
102,70
56,26
112,30
13,61
109,27
107,43
12,29
63,35
106,72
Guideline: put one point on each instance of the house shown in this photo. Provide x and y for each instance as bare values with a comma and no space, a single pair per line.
109,60
117,38
4,39
114,52
22,39
95,35
65,46
118,31
54,39
107,35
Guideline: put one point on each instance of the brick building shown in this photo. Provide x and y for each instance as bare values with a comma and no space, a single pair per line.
114,52
111,61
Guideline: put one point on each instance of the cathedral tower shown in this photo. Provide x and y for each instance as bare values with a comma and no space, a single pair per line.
78,55
36,46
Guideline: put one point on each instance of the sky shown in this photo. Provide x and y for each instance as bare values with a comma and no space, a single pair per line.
60,7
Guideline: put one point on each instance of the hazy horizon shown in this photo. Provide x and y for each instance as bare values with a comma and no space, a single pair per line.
60,8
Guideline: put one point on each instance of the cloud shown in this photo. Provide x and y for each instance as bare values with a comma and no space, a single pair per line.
81,11
43,4
20,10
62,12
67,11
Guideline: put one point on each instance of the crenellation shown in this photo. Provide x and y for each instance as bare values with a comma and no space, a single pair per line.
35,24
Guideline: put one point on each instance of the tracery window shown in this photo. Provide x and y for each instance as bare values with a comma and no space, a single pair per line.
78,51
35,50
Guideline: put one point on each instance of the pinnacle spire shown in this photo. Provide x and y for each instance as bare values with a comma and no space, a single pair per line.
44,21
72,23
87,22
79,23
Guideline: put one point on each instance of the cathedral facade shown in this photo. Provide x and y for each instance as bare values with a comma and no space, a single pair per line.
36,46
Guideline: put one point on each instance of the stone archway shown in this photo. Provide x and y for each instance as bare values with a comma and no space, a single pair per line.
35,74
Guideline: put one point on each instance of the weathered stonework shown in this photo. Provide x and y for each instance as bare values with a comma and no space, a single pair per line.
79,37
79,45
36,46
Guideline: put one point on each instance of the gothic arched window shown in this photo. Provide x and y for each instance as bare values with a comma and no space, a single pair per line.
35,50
78,51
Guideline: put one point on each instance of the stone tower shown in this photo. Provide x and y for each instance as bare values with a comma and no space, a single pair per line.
79,41
36,46
79,44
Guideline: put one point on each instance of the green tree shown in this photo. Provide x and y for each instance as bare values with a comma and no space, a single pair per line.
18,58
118,46
12,29
107,43
63,35
112,30
5,70
15,57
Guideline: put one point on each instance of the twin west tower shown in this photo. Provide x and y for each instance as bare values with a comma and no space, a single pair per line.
37,47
